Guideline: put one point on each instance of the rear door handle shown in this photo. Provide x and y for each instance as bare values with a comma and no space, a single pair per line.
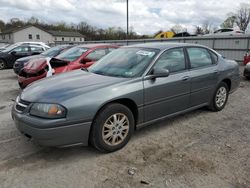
185,78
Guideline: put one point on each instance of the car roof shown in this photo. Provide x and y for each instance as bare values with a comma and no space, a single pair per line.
163,45
95,45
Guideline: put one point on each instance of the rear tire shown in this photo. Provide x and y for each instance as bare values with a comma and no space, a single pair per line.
2,64
220,97
112,128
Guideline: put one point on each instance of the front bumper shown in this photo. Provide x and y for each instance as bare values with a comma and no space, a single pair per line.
52,132
246,72
17,67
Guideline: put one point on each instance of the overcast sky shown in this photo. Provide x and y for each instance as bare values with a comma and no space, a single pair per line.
146,16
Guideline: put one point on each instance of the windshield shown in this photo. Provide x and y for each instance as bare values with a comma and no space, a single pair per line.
72,54
52,52
125,62
9,48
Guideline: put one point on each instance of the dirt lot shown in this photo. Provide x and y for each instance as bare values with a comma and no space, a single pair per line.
198,149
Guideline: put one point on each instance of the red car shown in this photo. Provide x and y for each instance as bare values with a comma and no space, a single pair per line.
81,56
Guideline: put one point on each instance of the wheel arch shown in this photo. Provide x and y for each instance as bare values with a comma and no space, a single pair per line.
4,61
228,82
129,103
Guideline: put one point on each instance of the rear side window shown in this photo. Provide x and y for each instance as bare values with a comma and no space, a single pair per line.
36,49
173,60
199,57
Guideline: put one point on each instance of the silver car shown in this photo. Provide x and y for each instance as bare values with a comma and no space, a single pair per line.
130,88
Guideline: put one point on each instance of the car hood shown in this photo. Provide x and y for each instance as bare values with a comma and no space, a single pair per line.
26,59
62,87
35,65
3,54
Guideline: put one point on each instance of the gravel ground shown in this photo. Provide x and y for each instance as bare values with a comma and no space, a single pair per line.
198,149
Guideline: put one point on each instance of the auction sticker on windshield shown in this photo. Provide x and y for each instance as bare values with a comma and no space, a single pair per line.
145,53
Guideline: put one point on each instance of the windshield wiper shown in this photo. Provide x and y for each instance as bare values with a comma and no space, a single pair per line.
84,69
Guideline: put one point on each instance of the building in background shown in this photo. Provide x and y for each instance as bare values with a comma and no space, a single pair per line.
36,34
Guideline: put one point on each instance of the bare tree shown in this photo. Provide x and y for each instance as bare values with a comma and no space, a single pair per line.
207,27
198,30
178,28
243,16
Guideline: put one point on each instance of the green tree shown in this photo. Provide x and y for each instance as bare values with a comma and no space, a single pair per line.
229,21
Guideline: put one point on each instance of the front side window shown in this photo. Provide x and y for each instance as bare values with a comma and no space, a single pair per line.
125,62
97,54
173,60
199,57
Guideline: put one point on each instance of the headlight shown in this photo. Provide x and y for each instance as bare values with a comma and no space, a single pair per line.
51,111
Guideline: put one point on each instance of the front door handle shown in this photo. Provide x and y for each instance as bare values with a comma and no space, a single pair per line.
185,78
216,72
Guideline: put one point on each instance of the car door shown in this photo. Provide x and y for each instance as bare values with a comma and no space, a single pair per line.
204,74
167,95
18,52
35,50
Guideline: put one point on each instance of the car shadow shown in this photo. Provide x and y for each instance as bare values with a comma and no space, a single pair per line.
52,156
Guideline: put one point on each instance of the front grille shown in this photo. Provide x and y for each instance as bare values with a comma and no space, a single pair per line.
21,105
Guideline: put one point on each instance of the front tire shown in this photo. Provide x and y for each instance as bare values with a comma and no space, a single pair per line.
220,97
112,128
2,64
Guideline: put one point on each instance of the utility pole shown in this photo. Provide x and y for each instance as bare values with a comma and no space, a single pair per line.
127,19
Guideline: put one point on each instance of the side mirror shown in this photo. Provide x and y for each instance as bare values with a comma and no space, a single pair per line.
13,53
160,72
85,60
157,73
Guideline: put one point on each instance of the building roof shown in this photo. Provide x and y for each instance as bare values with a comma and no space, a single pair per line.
65,33
13,30
54,33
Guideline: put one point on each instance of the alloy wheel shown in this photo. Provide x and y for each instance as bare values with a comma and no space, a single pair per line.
115,129
221,96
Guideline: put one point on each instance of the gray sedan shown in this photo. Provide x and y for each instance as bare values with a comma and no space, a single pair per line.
130,88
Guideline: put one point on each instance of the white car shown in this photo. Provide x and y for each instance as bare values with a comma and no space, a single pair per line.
226,31
46,47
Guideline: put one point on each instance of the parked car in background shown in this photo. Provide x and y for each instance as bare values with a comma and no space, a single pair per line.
3,46
226,31
246,72
129,88
77,57
52,52
26,43
11,54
